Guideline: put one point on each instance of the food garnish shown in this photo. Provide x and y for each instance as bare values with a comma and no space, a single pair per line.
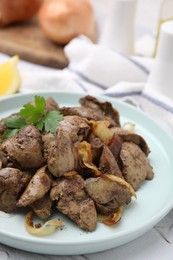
33,114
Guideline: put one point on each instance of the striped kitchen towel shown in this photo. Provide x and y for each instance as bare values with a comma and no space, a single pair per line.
95,69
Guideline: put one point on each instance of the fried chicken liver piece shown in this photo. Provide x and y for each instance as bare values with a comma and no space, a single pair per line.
25,148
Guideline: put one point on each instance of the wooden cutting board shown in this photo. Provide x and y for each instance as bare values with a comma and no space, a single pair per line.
30,44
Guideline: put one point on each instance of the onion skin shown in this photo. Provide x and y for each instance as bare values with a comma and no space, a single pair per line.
12,11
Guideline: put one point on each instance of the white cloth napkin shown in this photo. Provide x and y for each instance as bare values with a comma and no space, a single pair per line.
98,70
95,70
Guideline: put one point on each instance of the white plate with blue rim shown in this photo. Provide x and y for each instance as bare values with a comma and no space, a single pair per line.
139,216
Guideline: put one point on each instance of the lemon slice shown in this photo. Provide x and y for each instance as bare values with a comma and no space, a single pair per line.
10,79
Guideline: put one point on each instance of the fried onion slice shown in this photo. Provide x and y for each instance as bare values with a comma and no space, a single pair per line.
84,150
111,219
115,217
46,229
120,181
129,126
101,129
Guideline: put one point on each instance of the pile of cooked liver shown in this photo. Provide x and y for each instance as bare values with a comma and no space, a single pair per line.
45,172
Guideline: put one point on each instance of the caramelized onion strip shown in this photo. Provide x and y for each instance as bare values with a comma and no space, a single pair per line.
46,229
101,129
129,126
120,181
84,150
111,219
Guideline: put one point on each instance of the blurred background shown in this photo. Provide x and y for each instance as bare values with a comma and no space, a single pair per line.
131,27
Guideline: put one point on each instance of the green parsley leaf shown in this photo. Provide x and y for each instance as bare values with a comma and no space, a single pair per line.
52,120
40,103
40,125
9,133
15,122
33,113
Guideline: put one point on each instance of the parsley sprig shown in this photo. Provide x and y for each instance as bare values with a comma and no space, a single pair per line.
33,114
